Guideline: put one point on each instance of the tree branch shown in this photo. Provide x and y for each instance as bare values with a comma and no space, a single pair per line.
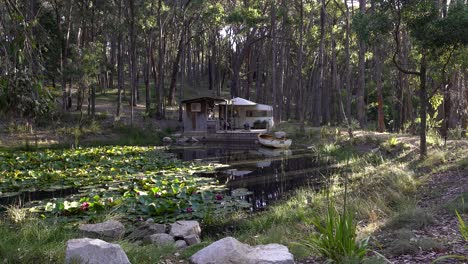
397,41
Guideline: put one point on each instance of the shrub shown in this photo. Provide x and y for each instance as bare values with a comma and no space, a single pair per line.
433,138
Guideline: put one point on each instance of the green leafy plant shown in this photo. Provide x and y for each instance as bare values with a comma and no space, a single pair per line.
462,226
392,141
336,237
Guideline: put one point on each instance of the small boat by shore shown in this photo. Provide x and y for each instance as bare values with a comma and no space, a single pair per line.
273,142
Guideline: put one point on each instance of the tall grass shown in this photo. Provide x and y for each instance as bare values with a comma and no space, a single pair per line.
33,241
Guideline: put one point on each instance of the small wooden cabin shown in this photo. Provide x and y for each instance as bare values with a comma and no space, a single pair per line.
199,114
215,116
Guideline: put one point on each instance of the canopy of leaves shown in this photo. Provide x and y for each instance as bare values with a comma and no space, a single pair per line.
432,31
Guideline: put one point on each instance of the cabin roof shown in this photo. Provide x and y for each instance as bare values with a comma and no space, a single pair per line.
200,99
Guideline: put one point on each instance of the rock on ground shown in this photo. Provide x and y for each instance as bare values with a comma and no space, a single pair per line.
167,140
159,239
180,244
108,230
192,240
230,251
94,251
182,229
147,229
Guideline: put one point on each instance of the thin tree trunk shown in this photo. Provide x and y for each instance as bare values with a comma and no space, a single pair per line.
361,107
147,74
317,118
347,63
273,63
423,110
133,60
301,96
378,84
175,70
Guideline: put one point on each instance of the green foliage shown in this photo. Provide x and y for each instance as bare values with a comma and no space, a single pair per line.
214,14
247,16
392,141
336,237
370,26
22,92
430,30
433,138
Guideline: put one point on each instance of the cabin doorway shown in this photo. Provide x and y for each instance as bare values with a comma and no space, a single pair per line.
194,121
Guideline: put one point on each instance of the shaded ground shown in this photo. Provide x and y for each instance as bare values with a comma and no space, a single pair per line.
59,130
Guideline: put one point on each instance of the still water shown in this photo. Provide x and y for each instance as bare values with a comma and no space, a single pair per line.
269,174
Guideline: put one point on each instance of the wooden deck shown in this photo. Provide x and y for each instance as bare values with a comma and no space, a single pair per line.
226,135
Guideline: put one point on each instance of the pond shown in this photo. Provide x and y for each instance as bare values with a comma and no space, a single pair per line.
181,182
269,174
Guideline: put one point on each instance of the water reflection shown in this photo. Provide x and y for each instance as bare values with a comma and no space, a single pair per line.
268,173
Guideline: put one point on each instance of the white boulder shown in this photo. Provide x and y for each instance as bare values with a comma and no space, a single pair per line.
94,251
182,229
230,251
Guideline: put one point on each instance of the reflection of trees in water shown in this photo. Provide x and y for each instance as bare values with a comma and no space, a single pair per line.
270,183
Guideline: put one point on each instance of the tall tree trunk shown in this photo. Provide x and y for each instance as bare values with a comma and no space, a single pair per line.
361,107
317,117
347,62
133,59
423,110
378,78
147,74
119,66
161,57
378,84
175,70
301,95
273,63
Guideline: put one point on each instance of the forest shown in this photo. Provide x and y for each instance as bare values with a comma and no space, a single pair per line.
386,65
90,89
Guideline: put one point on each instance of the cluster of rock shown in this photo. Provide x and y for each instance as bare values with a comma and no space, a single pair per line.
93,249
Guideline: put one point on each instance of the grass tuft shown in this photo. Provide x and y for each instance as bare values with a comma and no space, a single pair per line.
412,217
16,214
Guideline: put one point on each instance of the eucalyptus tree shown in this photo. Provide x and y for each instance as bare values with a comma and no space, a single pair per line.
432,35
